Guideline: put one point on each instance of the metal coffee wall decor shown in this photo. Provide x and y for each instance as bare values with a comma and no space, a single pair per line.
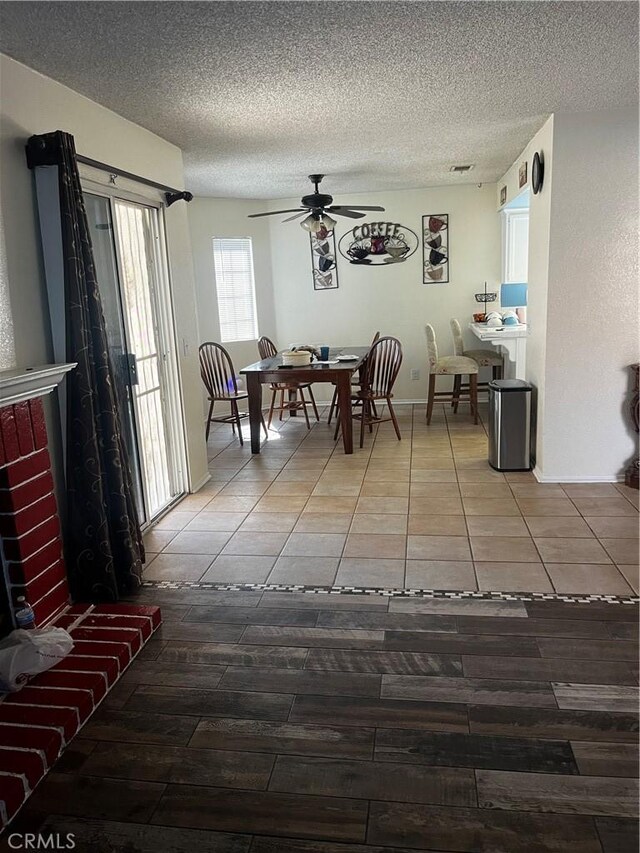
323,260
435,248
378,243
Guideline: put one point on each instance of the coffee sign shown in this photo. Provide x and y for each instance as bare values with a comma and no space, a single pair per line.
377,243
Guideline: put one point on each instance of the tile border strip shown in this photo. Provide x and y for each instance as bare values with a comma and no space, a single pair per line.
390,592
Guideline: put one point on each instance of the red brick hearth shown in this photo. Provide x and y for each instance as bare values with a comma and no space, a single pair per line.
38,721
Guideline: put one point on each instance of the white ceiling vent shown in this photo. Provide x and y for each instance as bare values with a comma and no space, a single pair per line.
461,169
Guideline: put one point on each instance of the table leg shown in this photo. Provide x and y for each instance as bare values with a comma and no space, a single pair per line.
343,386
254,390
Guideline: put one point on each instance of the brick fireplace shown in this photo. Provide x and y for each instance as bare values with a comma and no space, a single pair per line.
38,721
31,546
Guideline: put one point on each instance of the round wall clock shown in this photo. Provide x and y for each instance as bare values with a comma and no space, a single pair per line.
537,172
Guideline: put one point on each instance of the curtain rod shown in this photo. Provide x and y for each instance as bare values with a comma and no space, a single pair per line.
170,193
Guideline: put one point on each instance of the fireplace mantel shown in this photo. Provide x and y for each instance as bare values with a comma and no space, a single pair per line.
25,383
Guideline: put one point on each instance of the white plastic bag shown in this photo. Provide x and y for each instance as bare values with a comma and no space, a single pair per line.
25,653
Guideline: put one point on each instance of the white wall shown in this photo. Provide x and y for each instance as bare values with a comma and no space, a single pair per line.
226,217
583,293
31,104
391,298
592,318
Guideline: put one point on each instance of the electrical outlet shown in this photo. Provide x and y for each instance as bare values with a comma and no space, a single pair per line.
414,373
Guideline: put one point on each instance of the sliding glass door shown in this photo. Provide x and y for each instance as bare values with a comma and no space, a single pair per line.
133,283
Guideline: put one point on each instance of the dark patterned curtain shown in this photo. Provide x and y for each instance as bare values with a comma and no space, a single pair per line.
103,545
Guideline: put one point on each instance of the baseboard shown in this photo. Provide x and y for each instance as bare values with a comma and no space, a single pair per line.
201,483
593,478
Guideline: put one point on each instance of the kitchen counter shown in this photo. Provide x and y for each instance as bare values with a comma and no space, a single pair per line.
512,342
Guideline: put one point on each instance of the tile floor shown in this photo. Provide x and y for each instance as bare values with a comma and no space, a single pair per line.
425,513
307,723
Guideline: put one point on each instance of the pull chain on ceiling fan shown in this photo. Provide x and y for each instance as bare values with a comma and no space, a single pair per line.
319,207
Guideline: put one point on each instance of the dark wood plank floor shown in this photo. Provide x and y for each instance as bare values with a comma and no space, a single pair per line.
307,723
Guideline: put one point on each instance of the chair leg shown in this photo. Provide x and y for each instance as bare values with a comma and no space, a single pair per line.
457,383
431,396
473,394
236,413
264,427
313,403
364,413
394,419
281,405
304,407
334,404
273,402
338,422
208,426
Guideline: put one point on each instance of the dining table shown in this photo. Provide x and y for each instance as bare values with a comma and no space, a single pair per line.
335,371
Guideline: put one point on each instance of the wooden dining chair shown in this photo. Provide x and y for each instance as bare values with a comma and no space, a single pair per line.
219,377
268,349
356,380
379,372
451,365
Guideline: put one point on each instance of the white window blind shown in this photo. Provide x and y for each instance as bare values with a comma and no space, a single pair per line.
235,287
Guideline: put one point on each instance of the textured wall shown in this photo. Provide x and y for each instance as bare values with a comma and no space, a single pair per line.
592,331
33,104
391,298
227,217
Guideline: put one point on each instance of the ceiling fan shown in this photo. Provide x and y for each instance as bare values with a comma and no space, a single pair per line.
318,207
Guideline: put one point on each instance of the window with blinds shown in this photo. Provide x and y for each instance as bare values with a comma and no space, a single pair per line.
235,288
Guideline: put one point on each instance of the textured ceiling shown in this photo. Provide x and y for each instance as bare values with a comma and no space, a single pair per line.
377,95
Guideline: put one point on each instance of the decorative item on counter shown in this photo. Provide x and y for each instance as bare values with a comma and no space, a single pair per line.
323,260
479,318
486,297
494,319
378,243
435,248
514,295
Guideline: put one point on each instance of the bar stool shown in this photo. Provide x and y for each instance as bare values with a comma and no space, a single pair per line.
451,365
484,357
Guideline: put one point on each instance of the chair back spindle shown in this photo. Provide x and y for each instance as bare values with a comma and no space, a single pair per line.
216,370
382,366
266,347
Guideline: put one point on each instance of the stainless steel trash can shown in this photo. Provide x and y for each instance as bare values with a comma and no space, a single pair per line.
510,425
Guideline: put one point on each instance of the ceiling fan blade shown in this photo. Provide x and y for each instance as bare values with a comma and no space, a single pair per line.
338,207
296,215
345,211
274,212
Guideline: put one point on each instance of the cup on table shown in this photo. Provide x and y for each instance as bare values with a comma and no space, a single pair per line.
324,353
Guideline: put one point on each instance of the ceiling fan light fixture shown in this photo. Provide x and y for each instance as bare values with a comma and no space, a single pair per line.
328,221
313,222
